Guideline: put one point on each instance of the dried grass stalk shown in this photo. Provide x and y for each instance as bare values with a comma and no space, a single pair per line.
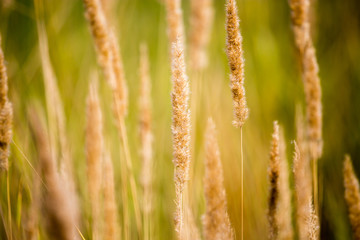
235,56
100,31
174,19
55,110
180,131
303,189
94,150
108,53
60,217
32,221
216,222
313,228
284,214
202,14
120,92
310,70
111,230
110,61
352,196
6,115
146,137
274,178
192,231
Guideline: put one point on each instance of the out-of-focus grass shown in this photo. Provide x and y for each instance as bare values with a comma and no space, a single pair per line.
273,85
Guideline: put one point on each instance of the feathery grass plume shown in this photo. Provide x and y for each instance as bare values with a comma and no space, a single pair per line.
352,196
235,56
216,222
180,131
274,178
108,54
110,61
192,231
310,70
120,92
301,134
285,231
110,208
312,223
100,32
55,110
60,218
146,138
175,22
202,14
6,115
94,150
303,189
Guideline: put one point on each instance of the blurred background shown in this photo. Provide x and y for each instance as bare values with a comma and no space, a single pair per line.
273,87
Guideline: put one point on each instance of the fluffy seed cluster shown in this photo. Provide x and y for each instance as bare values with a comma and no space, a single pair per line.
94,148
352,196
6,115
60,222
236,62
180,128
313,228
303,190
216,221
284,214
202,14
110,208
174,20
120,92
274,175
108,54
310,70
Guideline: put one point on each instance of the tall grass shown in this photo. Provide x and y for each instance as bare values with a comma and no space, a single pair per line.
88,159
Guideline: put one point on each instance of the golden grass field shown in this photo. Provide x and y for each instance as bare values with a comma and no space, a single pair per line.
105,129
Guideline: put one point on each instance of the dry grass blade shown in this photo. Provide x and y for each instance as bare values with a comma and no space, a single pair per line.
60,217
94,150
352,196
235,56
216,222
146,138
202,14
6,115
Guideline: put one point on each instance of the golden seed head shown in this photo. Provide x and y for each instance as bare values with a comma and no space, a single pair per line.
352,196
236,62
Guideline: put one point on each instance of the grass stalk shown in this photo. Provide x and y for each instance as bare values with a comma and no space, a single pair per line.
242,182
9,205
